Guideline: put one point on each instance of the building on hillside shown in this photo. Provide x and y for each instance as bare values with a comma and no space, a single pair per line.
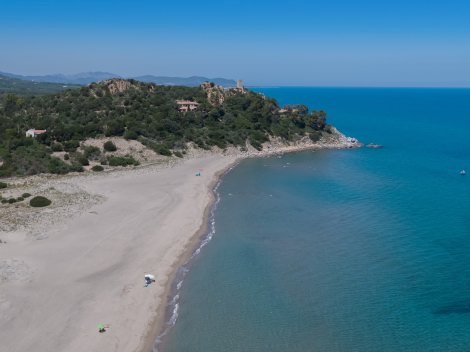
187,105
33,133
240,84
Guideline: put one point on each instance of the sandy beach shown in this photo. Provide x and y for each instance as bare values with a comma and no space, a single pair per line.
81,262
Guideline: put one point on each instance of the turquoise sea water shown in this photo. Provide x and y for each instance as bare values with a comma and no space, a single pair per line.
344,250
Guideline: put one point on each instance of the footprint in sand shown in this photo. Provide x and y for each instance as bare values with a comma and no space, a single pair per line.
14,270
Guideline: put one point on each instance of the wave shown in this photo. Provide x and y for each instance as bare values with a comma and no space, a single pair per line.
173,305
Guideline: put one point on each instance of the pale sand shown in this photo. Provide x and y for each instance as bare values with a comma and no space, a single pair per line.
56,286
91,269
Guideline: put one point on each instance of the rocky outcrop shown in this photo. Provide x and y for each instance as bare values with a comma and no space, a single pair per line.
117,85
215,94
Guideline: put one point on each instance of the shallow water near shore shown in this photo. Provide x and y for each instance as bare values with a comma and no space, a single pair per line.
344,250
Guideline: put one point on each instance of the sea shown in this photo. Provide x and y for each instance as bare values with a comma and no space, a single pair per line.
363,250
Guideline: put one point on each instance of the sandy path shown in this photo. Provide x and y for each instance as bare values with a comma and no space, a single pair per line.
90,268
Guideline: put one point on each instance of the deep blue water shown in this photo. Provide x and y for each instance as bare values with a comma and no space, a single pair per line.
339,251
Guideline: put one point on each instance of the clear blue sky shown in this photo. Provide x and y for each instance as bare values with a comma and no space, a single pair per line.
296,42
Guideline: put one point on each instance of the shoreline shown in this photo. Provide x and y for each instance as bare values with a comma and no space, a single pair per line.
117,245
160,326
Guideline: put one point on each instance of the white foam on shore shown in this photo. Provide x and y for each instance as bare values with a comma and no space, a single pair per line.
173,305
174,316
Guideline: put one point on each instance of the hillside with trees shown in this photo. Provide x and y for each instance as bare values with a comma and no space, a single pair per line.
23,87
145,112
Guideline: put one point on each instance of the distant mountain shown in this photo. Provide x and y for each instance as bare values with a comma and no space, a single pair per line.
193,81
80,78
89,77
27,87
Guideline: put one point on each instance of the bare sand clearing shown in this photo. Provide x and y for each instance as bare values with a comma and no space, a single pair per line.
65,269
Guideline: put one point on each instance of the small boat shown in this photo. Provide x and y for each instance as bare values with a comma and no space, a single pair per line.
463,172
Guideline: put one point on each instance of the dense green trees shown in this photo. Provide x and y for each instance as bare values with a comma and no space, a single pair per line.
143,111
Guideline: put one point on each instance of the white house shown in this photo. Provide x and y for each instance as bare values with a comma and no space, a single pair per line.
186,105
33,133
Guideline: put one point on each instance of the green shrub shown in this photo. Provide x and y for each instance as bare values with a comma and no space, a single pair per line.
3,185
4,201
26,195
131,134
159,148
57,166
39,201
92,152
97,168
76,167
109,146
121,161
178,154
257,145
66,157
162,150
20,199
82,160
57,147
12,200
71,146
315,136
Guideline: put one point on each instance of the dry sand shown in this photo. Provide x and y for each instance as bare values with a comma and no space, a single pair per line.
67,268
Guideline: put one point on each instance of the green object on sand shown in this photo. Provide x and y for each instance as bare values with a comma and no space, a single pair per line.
101,327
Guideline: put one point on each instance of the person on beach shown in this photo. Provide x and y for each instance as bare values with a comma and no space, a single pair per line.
149,278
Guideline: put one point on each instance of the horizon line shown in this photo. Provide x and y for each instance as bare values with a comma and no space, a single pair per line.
255,85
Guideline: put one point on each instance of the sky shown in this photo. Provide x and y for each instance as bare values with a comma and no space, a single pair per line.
266,43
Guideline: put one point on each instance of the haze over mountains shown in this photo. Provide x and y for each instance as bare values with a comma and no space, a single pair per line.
89,77
28,87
